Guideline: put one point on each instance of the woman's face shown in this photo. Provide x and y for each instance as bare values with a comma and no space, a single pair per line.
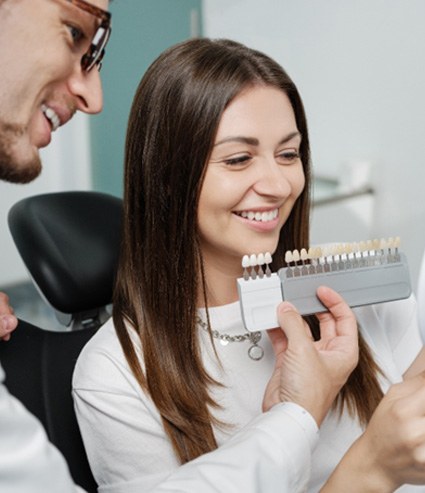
253,178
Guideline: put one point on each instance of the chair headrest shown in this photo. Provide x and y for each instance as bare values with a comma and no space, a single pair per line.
69,242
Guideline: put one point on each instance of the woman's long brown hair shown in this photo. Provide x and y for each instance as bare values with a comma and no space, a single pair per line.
173,122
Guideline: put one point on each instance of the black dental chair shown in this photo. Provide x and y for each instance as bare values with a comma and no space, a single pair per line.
69,242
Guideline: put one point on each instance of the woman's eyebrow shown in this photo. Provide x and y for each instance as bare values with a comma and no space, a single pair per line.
289,137
253,141
244,140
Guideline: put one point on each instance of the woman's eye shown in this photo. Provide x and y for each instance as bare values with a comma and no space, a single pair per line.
237,160
289,155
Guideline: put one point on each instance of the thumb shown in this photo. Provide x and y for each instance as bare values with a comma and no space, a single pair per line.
291,322
278,339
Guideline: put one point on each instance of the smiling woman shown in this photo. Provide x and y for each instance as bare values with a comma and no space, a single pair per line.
217,166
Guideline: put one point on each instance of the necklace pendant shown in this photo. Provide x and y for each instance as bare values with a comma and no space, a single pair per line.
255,352
224,342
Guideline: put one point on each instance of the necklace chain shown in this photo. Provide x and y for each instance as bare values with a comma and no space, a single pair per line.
255,352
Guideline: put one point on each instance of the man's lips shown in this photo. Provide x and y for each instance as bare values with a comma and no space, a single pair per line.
56,115
52,116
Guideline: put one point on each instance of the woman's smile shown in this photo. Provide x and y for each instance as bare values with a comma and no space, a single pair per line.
259,220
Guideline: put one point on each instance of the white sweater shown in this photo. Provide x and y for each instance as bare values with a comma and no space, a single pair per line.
122,430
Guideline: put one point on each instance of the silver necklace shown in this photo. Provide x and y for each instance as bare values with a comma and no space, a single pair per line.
255,352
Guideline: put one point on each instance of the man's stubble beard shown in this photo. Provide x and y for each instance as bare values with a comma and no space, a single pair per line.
13,168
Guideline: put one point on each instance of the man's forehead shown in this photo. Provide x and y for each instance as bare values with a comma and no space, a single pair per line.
97,4
102,4
96,9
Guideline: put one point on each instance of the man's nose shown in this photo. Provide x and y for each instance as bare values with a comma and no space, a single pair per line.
87,89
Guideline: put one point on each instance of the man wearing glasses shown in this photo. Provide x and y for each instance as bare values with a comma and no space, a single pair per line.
50,56
49,72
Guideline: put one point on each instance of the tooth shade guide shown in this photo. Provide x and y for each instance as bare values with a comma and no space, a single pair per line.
341,256
375,278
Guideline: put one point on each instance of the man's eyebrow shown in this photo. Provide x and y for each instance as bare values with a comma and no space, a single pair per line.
253,141
85,17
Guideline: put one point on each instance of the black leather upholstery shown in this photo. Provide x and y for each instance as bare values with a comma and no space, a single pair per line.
69,242
65,240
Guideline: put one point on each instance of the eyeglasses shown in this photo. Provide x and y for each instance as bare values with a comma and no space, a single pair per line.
96,50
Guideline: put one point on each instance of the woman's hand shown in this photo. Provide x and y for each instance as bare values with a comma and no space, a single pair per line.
311,373
8,322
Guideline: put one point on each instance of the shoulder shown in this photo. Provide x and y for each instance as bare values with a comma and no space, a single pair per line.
394,326
102,364
396,312
396,317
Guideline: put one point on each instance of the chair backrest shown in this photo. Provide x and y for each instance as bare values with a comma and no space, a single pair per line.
69,242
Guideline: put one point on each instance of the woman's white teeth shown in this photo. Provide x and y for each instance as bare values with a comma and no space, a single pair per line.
260,216
51,116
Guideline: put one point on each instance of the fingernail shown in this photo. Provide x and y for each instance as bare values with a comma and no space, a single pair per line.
285,306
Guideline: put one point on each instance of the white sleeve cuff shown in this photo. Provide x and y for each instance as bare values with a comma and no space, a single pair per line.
304,419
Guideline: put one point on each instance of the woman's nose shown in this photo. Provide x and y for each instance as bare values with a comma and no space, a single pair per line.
272,180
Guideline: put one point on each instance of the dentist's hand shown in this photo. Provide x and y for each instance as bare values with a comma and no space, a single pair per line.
307,372
8,322
391,451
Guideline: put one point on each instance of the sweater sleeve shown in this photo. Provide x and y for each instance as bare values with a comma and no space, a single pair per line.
28,462
272,453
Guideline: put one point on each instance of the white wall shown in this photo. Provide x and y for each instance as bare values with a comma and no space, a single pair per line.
66,166
360,68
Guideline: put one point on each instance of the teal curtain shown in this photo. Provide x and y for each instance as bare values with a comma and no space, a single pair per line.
141,30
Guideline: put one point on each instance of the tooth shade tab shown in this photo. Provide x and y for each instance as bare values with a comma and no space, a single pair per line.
288,257
296,255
